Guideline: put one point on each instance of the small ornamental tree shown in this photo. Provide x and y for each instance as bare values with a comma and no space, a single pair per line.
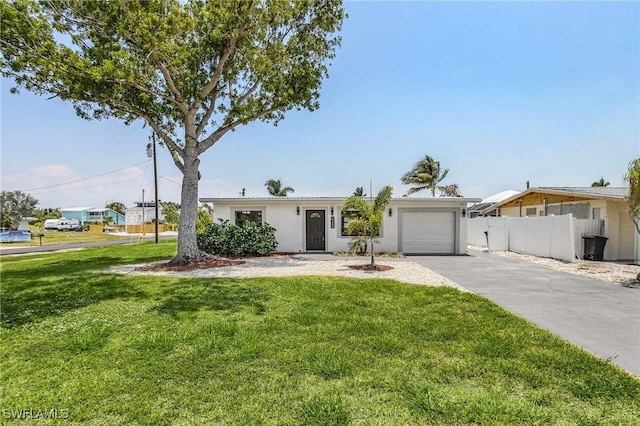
191,70
171,211
368,222
632,177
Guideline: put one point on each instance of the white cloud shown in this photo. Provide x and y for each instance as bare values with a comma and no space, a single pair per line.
58,185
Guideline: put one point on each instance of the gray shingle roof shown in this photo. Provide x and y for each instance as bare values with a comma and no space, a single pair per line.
595,191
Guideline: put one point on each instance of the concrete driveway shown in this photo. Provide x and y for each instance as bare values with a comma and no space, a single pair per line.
601,317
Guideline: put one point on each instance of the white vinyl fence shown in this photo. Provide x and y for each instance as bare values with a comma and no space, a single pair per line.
558,237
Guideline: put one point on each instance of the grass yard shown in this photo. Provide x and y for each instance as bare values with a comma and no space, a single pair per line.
117,349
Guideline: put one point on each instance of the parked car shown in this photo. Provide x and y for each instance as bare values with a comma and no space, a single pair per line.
51,224
62,224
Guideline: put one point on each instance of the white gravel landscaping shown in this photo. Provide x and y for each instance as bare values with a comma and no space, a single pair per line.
276,266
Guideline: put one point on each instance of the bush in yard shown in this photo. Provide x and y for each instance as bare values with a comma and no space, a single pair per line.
228,239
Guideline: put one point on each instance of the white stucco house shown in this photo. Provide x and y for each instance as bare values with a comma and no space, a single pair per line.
143,212
316,224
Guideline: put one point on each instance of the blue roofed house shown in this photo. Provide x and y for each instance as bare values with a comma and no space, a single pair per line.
91,215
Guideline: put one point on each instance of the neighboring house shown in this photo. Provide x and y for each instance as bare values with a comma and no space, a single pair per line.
608,204
143,212
316,224
91,215
489,205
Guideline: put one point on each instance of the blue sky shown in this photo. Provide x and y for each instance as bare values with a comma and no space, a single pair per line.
498,92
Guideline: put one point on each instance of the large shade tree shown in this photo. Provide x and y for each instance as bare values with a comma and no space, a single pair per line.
191,70
275,188
425,174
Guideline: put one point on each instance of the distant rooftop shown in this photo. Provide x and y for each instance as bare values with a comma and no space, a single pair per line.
501,196
598,191
77,209
336,199
556,194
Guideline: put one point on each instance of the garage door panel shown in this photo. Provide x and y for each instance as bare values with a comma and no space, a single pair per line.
428,232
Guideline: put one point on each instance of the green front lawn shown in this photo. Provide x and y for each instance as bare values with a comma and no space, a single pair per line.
115,349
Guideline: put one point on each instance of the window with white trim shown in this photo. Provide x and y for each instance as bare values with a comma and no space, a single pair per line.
244,216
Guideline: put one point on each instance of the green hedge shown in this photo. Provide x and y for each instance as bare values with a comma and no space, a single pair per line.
227,239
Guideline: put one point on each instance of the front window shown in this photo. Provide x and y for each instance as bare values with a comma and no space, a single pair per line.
245,216
95,217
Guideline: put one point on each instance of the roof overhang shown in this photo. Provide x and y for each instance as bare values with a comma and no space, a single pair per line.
402,200
537,196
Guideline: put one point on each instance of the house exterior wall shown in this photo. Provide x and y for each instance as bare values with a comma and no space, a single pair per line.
118,218
617,224
81,216
93,215
134,215
290,226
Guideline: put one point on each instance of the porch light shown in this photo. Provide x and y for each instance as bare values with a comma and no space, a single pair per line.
298,210
390,211
331,211
464,213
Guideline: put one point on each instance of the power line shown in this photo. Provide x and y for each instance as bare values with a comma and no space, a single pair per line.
87,187
84,179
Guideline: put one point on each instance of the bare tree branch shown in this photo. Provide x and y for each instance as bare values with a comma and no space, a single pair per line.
166,74
208,88
143,89
205,118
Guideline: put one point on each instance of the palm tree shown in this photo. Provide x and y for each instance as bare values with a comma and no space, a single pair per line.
274,186
367,224
359,192
425,174
600,182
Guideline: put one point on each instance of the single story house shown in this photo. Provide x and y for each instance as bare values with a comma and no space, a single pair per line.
608,204
90,215
317,224
143,212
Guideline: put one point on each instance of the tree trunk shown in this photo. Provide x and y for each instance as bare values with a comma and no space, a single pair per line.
373,263
187,245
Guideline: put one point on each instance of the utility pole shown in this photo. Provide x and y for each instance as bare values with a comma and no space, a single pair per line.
143,211
155,178
151,152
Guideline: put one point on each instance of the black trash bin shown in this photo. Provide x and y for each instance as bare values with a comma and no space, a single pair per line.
594,247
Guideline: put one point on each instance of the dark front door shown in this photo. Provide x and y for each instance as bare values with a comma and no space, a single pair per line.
315,229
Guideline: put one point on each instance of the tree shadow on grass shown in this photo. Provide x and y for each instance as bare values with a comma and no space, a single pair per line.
23,279
41,298
211,294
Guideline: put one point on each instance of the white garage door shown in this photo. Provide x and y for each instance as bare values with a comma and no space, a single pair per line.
428,232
